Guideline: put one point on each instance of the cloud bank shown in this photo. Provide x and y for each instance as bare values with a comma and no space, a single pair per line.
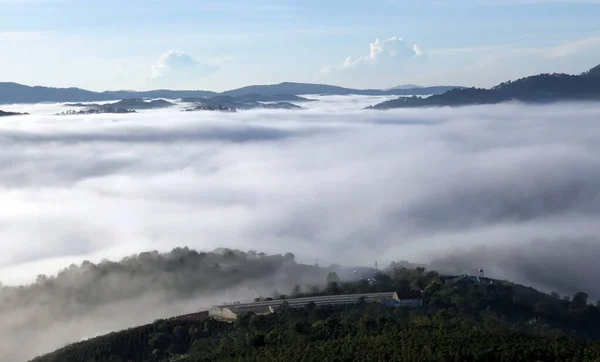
177,65
398,183
512,189
393,48
382,53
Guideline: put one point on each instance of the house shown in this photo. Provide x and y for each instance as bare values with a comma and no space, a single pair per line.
391,303
412,298
193,317
230,312
463,280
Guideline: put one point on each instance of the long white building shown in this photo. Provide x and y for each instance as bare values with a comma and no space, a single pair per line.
232,311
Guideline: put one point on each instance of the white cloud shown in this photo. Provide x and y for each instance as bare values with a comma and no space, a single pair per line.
251,180
176,63
393,48
384,57
417,50
325,71
572,48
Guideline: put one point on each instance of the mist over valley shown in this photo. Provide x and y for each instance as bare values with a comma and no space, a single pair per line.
510,188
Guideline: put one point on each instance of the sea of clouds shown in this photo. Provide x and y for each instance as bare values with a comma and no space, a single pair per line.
513,189
510,188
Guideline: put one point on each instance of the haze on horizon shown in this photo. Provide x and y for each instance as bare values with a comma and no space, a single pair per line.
220,45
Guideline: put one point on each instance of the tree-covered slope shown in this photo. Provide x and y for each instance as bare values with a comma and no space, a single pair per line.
95,298
594,72
497,322
535,89
292,88
19,93
6,114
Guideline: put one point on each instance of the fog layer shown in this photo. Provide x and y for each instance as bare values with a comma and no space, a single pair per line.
347,186
513,189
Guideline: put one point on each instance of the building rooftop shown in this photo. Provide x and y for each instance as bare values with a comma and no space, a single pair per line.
263,306
411,294
468,279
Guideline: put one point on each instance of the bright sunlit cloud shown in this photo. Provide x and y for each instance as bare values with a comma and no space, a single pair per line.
512,189
393,48
348,185
176,67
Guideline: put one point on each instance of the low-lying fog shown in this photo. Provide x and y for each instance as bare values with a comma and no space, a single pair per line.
511,188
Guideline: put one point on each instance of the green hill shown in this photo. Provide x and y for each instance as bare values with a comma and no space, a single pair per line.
6,114
475,322
18,93
542,88
594,72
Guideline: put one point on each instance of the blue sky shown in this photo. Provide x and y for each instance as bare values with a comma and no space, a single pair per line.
218,45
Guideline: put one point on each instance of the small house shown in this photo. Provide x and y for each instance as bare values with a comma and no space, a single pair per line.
412,298
193,317
465,279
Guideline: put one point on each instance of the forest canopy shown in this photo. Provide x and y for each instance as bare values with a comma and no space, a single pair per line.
499,321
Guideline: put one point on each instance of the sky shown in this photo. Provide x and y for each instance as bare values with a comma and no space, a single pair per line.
224,44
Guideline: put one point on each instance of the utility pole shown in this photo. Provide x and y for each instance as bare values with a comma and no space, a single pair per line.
376,265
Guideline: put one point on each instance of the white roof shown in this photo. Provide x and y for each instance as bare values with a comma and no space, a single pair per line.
297,302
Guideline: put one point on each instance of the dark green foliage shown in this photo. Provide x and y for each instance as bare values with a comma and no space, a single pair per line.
141,288
18,93
6,114
594,72
536,89
498,322
180,274
96,110
232,104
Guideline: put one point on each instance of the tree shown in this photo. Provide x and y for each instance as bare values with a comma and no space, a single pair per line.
580,301
333,277
333,288
160,341
310,307
257,340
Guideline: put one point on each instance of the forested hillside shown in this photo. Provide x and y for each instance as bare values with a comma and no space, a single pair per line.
6,114
490,322
96,298
540,88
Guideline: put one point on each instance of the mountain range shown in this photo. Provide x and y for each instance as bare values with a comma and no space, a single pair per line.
541,88
6,114
127,104
398,313
11,93
309,88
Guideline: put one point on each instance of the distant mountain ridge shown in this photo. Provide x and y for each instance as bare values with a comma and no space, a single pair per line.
309,88
404,86
11,93
252,101
18,93
541,88
132,104
6,114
